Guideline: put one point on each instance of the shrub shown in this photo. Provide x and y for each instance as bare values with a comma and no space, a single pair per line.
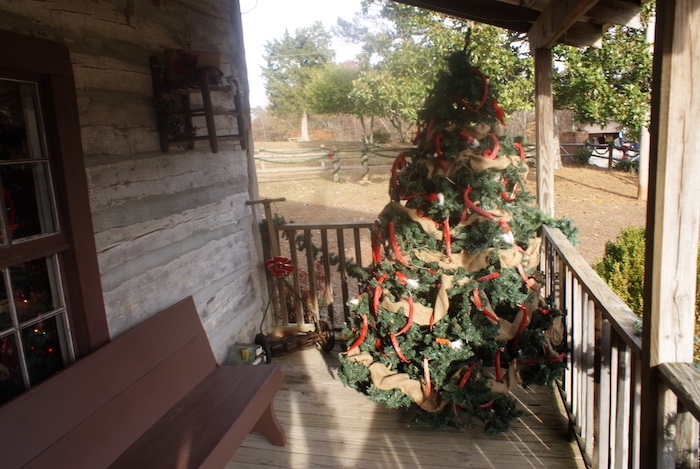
582,155
381,136
622,268
628,166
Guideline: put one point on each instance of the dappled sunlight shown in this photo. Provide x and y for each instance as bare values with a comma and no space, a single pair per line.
329,425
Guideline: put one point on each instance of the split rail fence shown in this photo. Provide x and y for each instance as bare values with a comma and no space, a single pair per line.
344,156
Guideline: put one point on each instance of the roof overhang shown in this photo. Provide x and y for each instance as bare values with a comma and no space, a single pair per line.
578,23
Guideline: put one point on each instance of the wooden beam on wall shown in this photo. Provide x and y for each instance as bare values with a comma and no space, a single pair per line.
555,20
673,221
546,143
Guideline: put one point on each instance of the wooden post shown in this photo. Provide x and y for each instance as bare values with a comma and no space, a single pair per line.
544,116
273,241
672,227
643,170
336,166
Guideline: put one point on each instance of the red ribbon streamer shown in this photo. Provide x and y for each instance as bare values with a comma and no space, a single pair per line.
395,245
448,238
491,154
473,206
361,337
409,320
399,163
521,150
399,353
499,112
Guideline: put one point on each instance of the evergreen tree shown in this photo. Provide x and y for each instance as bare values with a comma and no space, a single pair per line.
452,316
291,64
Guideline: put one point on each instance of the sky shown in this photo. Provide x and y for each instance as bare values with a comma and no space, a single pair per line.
265,20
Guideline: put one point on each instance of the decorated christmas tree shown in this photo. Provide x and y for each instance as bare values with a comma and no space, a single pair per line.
452,315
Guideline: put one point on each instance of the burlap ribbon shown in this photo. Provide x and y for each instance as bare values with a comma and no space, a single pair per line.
554,336
422,314
470,262
474,262
476,161
385,379
428,226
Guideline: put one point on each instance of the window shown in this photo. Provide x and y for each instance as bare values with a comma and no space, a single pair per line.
50,297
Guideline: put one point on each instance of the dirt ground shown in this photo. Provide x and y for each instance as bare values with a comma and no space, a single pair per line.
599,201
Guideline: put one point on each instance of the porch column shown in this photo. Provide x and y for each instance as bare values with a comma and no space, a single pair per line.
544,117
672,225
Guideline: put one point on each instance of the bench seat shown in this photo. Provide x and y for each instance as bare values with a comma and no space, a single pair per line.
152,398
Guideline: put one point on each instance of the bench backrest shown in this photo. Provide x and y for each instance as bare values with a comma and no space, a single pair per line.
100,398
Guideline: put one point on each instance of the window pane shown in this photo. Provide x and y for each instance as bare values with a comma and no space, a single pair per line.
5,314
42,350
11,382
28,204
20,122
34,288
24,172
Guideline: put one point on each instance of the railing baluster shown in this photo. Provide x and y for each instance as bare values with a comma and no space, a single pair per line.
635,436
328,284
613,399
624,406
588,380
294,258
566,307
343,272
577,341
358,246
311,266
603,426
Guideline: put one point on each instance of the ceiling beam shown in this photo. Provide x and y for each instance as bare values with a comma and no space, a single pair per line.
555,21
581,35
491,12
622,12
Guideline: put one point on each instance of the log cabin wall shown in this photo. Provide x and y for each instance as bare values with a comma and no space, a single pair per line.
167,225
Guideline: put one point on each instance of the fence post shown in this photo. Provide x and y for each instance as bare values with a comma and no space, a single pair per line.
611,148
336,164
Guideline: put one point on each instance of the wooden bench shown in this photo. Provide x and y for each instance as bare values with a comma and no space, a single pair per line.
152,398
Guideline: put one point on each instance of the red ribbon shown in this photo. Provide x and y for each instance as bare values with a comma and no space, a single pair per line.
473,206
448,238
395,244
491,154
499,112
521,150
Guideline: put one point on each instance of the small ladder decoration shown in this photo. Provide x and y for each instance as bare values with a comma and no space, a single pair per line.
175,112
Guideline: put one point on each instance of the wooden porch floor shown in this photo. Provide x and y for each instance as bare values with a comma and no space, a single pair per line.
331,426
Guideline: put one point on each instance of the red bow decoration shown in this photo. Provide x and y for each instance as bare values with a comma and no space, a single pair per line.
279,266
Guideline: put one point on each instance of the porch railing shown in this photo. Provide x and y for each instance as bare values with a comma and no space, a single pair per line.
319,287
601,387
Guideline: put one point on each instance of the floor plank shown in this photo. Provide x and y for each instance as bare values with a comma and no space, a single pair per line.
331,426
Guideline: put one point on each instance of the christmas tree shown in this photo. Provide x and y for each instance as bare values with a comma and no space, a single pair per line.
452,315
